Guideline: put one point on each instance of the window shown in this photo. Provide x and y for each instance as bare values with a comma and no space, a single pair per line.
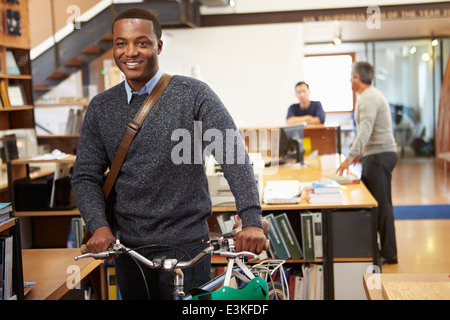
328,77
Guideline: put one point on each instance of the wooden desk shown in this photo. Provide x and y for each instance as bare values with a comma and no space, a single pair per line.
357,210
49,269
379,286
355,195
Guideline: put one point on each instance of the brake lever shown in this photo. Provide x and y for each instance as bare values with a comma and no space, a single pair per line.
100,255
114,250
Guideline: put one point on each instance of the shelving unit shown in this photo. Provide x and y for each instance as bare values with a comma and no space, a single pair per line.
351,222
15,72
50,228
335,254
65,142
12,228
16,44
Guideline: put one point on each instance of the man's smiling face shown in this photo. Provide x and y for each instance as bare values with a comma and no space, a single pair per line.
136,50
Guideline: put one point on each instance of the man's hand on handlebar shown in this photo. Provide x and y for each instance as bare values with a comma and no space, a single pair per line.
250,239
101,240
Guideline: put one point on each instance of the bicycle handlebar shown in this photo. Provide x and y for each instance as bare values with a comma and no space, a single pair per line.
168,264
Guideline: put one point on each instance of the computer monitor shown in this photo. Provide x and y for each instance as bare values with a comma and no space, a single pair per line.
25,140
10,147
291,143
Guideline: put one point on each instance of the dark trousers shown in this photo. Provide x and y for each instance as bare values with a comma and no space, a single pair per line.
144,283
377,175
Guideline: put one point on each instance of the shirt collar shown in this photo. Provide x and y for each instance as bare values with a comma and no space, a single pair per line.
147,89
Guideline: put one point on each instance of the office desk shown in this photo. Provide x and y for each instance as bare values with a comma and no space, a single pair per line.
51,269
355,195
383,286
347,226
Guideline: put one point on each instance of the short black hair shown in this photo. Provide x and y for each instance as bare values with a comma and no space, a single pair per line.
300,83
140,13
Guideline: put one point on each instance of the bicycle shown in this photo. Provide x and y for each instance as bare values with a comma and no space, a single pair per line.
253,282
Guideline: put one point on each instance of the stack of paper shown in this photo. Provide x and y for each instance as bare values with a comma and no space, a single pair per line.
285,191
324,192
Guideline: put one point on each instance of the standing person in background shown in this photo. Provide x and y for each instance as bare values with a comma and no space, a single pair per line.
374,146
306,111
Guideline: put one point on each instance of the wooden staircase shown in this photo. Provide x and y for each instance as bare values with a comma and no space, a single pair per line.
93,38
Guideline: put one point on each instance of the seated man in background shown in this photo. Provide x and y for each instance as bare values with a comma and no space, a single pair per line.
306,111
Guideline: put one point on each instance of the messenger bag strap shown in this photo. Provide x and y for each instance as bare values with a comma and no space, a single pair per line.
132,130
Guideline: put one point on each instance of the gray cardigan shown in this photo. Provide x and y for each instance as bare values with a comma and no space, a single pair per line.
158,199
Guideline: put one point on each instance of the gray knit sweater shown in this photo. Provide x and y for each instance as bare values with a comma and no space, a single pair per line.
373,125
158,200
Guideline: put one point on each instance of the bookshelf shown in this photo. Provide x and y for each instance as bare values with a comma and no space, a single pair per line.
50,226
16,109
12,228
68,141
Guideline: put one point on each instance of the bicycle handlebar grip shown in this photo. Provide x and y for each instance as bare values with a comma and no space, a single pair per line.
267,245
83,249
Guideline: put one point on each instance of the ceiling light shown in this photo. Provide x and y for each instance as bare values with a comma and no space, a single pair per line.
412,50
434,42
426,56
337,41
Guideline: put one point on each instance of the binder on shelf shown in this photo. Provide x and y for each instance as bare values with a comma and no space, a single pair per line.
307,236
6,263
289,236
77,229
4,94
299,287
318,241
16,95
278,247
112,283
74,121
226,221
319,289
306,281
11,64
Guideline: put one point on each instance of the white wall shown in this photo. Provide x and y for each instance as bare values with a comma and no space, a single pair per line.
253,69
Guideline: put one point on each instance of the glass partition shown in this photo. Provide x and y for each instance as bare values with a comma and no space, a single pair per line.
409,73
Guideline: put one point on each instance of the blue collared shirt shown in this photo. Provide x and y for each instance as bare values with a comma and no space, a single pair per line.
147,89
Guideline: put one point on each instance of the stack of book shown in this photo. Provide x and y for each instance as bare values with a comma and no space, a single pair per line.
324,192
5,211
307,283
